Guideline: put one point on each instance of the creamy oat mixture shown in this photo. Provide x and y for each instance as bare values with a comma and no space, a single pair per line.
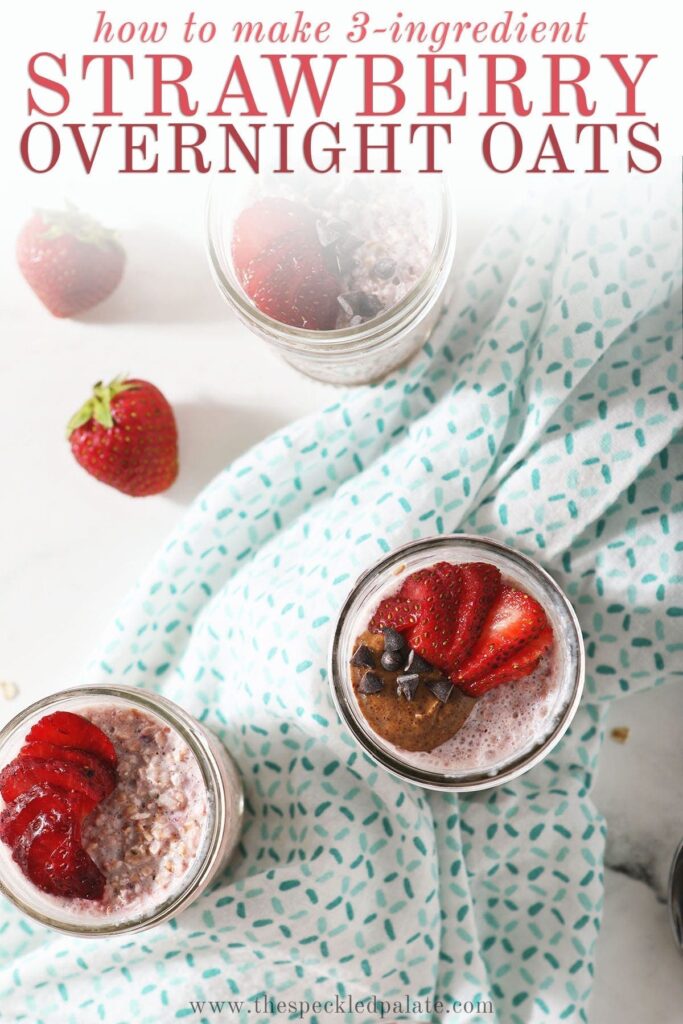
146,835
386,250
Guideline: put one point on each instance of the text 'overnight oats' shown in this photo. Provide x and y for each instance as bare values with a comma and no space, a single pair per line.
456,668
104,810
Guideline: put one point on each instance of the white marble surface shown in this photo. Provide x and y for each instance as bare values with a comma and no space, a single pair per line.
639,789
73,547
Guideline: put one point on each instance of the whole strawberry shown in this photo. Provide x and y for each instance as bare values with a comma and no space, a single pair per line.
70,261
126,436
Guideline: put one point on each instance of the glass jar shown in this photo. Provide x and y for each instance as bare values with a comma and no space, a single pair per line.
224,812
675,896
568,660
346,355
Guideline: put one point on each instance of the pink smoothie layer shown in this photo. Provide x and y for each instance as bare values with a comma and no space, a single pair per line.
504,723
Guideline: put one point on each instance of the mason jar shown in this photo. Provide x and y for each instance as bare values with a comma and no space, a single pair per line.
216,812
675,896
355,353
467,763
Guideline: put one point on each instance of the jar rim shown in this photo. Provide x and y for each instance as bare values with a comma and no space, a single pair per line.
341,340
186,726
435,780
675,895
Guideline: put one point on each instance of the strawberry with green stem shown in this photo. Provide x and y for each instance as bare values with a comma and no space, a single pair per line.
125,435
69,259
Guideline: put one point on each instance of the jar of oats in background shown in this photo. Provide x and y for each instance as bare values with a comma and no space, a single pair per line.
346,279
117,810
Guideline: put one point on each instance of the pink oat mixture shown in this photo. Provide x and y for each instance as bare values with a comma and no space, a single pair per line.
146,835
391,226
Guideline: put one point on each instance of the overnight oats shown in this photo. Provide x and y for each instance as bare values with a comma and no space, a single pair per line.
345,279
117,809
457,663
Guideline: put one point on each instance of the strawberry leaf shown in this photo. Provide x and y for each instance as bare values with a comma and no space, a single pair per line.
102,411
98,406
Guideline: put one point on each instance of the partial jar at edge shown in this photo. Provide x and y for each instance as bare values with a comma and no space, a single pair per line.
352,354
222,802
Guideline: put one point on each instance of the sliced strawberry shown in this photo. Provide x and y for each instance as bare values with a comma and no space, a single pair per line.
517,666
41,803
447,571
288,256
423,585
51,752
58,864
438,593
406,608
314,302
462,620
66,767
28,815
65,729
95,781
291,283
394,612
54,819
259,226
514,619
479,589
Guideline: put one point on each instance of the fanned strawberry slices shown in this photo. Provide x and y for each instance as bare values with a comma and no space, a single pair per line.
65,729
463,619
64,770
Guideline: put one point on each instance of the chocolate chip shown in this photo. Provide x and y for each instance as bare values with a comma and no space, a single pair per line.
360,303
364,657
441,688
393,641
348,243
346,263
384,269
370,305
330,231
407,685
392,661
370,683
416,663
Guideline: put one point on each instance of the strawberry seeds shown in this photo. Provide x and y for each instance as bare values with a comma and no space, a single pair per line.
450,634
64,770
